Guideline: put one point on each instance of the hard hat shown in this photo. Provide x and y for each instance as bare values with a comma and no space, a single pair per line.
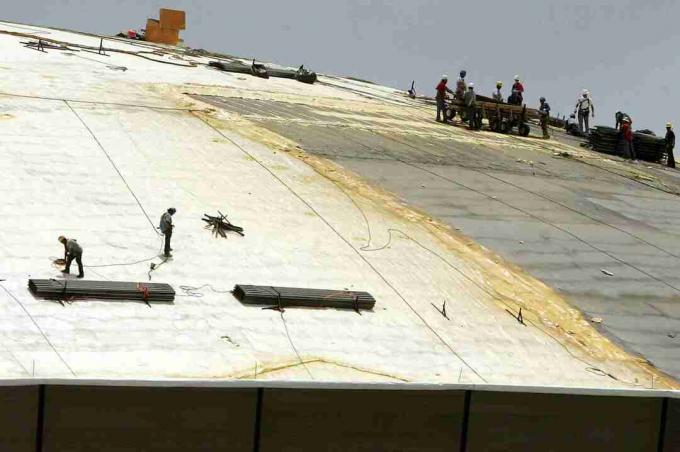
471,85
445,77
61,238
626,119
669,125
517,77
499,83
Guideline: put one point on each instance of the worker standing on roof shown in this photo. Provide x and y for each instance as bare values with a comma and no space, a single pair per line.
627,139
470,101
498,96
670,145
72,251
544,111
412,90
584,108
166,228
442,89
461,87
517,94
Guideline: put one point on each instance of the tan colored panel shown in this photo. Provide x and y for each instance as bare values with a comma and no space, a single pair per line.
556,422
344,420
138,419
18,418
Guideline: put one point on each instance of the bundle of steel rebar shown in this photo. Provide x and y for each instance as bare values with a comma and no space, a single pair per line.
101,290
283,297
220,225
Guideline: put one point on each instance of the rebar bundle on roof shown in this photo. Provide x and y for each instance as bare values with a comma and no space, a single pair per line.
220,225
283,297
101,290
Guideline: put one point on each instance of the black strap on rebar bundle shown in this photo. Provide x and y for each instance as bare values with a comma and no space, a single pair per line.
279,306
356,304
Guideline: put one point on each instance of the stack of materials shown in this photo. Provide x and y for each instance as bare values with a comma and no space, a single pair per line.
220,225
283,297
166,29
649,147
607,141
101,290
259,70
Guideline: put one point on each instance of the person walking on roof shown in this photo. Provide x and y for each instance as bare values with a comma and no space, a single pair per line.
461,87
517,94
470,101
72,251
442,89
670,145
498,96
627,139
166,228
584,108
544,111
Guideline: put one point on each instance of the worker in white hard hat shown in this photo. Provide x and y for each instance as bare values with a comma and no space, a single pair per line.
517,94
498,96
670,145
584,109
461,88
442,89
470,101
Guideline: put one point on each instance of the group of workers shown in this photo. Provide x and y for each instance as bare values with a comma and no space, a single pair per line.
73,251
584,110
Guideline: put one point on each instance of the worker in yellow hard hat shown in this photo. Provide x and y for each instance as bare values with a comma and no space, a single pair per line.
670,144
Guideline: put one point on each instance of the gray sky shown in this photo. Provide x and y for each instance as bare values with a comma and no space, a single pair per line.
624,52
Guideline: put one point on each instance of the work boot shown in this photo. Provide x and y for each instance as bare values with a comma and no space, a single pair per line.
66,272
81,276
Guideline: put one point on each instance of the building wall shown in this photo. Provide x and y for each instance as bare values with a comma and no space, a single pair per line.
109,418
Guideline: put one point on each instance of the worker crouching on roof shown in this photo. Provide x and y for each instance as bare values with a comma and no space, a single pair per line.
166,228
72,250
670,145
442,89
544,111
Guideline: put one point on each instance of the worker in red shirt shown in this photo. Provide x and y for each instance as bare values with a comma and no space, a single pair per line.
627,139
442,89
517,94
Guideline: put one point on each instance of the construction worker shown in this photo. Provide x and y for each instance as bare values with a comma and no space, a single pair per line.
72,250
517,94
670,145
544,111
470,101
166,228
461,88
627,139
619,118
584,108
442,89
498,96
571,126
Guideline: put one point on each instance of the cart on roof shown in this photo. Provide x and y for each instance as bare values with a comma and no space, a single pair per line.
502,117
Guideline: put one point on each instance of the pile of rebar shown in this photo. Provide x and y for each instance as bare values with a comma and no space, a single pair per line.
283,297
607,140
220,225
101,290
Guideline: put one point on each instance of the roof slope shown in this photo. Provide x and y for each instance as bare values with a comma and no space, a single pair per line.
97,153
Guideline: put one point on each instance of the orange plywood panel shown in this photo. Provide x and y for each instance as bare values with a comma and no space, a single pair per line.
173,19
